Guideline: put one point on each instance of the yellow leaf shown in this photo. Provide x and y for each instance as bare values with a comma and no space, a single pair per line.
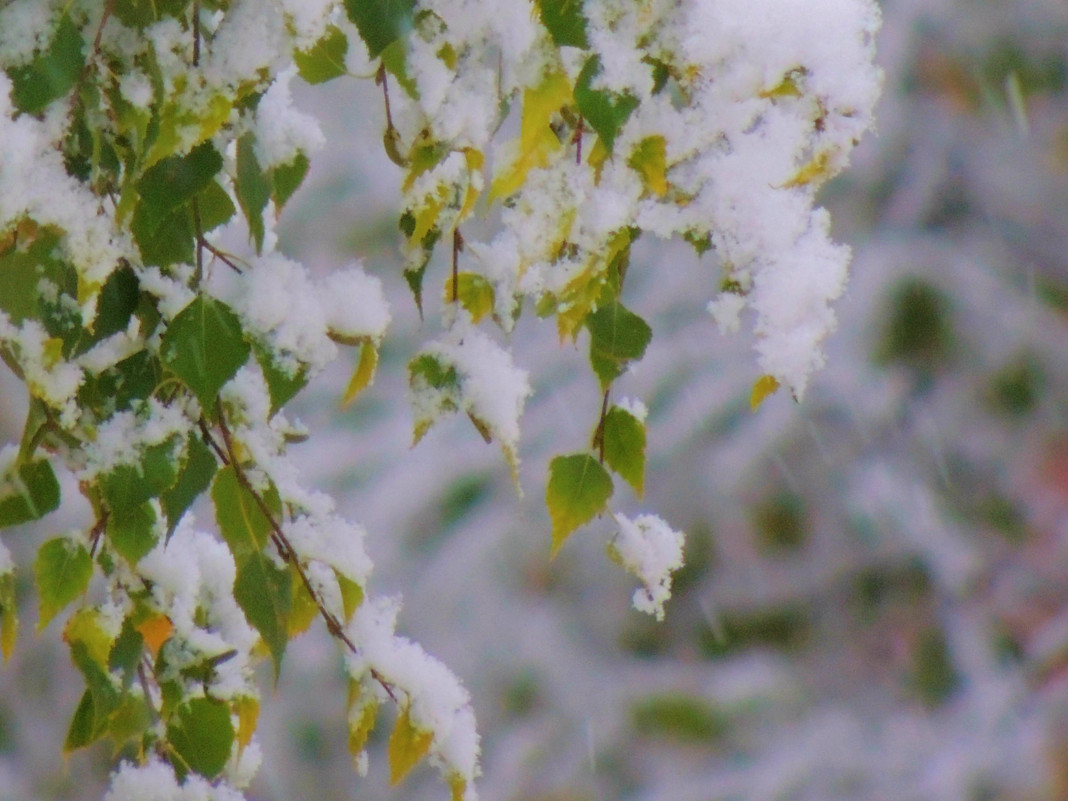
598,156
85,627
425,218
407,745
248,715
649,159
155,630
787,87
536,138
351,594
815,172
364,374
361,722
765,385
458,785
303,609
475,160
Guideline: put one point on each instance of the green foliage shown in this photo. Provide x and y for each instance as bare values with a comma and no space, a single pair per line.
617,337
624,446
380,22
326,60
565,21
578,490
33,492
202,734
604,111
204,346
53,72
63,570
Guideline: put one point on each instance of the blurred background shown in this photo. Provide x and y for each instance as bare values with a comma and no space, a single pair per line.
875,599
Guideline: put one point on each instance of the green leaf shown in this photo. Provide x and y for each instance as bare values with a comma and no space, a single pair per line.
624,446
242,522
617,337
281,386
116,304
53,73
326,59
127,650
34,492
407,746
63,569
173,182
565,22
604,111
9,621
215,207
380,22
170,242
19,277
204,346
252,188
265,594
196,476
202,734
130,485
287,178
83,729
132,531
578,490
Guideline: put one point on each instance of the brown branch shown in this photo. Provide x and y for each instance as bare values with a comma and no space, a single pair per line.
598,433
577,139
380,79
457,247
286,550
196,33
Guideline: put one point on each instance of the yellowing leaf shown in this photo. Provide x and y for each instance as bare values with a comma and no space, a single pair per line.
425,219
536,138
578,490
649,159
787,87
85,627
765,385
458,786
475,160
248,715
304,609
473,292
361,721
9,621
814,172
364,374
351,594
155,630
407,745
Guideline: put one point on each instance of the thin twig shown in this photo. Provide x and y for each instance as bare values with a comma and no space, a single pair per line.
196,33
287,552
457,247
